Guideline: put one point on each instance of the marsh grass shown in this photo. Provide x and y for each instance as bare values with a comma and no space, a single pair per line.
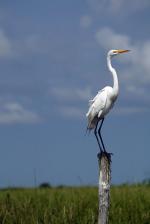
73,205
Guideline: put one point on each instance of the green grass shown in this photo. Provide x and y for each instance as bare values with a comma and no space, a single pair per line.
129,205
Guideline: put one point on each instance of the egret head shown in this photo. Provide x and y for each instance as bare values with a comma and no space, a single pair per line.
116,52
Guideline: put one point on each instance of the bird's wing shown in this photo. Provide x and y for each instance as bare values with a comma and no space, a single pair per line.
97,105
99,99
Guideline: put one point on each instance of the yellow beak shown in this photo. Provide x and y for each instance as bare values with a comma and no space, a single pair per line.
122,51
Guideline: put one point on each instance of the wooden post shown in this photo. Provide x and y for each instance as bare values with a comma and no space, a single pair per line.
104,161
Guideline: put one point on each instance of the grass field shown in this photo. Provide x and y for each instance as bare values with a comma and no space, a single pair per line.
73,205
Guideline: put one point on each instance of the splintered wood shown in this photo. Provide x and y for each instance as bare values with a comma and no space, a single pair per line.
104,160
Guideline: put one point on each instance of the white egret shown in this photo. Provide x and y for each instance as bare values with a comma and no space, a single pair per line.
101,104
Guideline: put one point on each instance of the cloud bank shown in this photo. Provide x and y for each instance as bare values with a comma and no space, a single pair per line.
137,69
5,45
114,6
14,113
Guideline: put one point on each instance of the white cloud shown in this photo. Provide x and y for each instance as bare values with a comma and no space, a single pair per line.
134,71
134,90
96,5
109,39
78,112
68,94
118,5
12,112
138,60
29,44
85,21
70,100
5,45
115,5
130,110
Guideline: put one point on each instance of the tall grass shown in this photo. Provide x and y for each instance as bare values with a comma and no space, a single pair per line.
129,205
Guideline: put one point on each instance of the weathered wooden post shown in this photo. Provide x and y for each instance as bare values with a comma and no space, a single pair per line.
104,161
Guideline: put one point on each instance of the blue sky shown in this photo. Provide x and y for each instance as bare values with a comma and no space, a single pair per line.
52,61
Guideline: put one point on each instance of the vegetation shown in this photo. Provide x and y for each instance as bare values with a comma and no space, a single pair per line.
73,205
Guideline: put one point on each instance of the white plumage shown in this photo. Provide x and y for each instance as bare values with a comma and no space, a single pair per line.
101,104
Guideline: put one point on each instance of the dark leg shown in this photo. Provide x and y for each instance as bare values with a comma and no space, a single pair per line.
95,132
99,132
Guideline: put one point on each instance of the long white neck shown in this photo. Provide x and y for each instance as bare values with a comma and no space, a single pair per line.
115,78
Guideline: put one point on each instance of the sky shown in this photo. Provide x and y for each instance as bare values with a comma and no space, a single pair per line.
52,61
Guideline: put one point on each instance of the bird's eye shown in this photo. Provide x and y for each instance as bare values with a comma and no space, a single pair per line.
114,51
